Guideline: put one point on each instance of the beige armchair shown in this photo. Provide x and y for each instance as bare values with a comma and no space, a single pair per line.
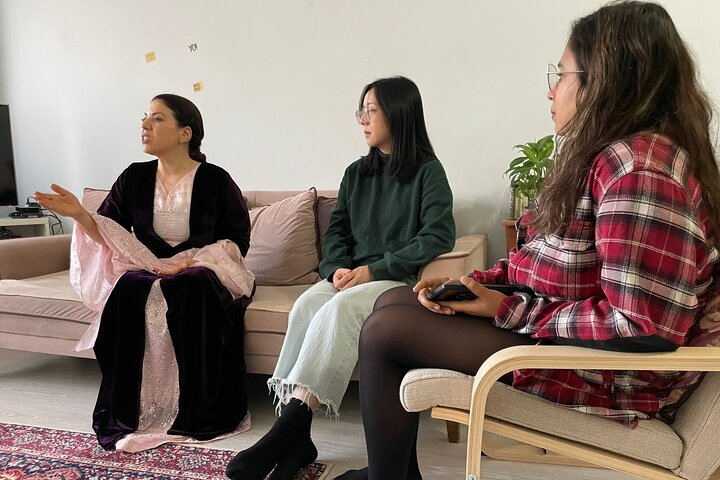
544,432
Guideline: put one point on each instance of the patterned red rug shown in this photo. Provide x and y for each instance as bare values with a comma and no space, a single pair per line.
34,453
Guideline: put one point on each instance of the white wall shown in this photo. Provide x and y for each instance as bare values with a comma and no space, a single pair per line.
282,80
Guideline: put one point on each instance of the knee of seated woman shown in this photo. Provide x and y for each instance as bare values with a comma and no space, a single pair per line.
351,302
385,325
195,276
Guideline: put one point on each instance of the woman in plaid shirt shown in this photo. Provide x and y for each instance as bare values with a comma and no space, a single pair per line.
617,255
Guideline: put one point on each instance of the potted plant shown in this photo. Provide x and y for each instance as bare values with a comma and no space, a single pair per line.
526,172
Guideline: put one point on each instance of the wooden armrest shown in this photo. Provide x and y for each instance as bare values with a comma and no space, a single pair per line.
706,359
700,359
470,252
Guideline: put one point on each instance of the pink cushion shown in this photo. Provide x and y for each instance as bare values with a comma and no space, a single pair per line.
93,198
283,241
324,209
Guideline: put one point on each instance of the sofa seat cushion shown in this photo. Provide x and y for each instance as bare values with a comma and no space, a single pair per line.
268,311
652,441
45,306
48,306
53,285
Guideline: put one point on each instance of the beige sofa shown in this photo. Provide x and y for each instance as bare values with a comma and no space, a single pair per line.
40,312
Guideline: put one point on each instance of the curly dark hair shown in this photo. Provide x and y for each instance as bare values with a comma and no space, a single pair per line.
638,75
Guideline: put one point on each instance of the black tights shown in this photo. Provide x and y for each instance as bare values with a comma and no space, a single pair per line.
401,335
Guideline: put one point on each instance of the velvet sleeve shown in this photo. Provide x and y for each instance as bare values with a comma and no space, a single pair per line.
233,217
115,206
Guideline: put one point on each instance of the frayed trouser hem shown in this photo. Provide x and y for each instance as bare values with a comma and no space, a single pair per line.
283,390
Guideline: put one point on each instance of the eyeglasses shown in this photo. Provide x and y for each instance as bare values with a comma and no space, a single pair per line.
364,114
554,76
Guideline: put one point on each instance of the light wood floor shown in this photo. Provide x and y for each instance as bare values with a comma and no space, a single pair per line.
59,392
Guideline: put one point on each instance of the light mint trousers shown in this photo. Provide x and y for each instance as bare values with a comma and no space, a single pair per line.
321,344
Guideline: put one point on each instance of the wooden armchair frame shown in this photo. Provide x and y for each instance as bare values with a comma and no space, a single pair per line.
706,359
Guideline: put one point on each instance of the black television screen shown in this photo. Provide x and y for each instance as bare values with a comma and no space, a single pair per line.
8,185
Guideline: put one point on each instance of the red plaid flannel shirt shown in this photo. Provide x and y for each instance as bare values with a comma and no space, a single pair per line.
636,261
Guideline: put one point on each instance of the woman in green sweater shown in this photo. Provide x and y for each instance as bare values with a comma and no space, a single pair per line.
393,215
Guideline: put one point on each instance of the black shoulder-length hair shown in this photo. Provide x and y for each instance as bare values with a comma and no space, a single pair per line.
399,100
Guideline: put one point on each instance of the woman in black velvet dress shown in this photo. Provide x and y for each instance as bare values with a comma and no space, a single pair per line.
170,338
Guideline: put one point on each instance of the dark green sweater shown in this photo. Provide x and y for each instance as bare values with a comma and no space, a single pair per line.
393,228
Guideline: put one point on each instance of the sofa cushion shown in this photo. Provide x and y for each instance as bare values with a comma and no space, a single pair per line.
44,306
53,285
268,311
324,209
283,241
92,198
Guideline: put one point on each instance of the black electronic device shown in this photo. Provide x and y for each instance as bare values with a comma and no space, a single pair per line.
456,291
28,210
31,210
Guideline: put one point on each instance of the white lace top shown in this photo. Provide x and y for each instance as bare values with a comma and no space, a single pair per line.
171,210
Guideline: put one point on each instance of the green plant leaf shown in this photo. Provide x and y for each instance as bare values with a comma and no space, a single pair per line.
527,171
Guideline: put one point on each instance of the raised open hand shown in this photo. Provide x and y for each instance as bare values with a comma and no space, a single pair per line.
62,202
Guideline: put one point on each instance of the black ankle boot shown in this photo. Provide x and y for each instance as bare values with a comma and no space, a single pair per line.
257,461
